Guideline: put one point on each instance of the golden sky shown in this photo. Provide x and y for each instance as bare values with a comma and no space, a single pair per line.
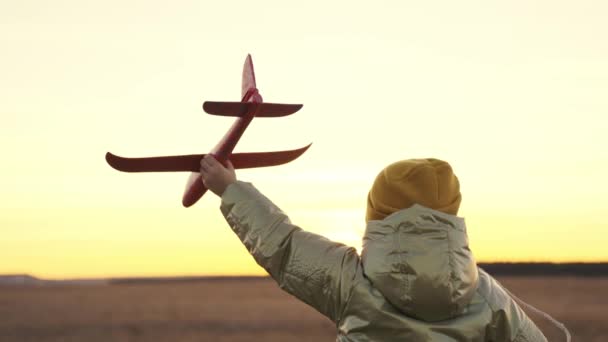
512,94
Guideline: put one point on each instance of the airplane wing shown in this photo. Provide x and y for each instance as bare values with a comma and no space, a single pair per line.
192,162
264,110
263,159
195,189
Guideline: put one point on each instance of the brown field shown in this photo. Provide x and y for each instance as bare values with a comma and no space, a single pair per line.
241,310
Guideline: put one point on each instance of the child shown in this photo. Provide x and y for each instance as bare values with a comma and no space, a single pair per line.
416,278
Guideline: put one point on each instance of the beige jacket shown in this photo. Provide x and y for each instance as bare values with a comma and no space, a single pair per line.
416,279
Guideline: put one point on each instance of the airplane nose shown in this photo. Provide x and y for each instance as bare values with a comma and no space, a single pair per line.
195,189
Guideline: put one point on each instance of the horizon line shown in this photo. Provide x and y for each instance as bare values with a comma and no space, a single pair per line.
500,267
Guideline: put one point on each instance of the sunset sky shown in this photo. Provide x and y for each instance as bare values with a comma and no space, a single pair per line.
513,94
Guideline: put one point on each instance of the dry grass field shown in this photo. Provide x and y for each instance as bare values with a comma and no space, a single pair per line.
240,310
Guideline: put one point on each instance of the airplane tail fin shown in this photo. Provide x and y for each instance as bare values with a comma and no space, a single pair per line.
248,80
264,110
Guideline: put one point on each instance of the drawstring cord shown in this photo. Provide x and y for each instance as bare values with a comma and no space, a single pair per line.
555,322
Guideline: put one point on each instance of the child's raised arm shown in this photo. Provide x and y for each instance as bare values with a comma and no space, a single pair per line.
316,270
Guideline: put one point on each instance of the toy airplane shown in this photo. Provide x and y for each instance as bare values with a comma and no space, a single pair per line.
250,106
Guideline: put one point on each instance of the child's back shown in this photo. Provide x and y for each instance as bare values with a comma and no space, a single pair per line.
416,279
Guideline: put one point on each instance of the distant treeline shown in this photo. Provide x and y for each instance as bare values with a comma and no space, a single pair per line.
499,269
142,280
547,269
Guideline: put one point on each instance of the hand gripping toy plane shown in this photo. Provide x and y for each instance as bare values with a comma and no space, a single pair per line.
250,106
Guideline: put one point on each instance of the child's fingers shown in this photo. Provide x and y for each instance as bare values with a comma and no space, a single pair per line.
211,160
204,165
204,172
213,163
207,167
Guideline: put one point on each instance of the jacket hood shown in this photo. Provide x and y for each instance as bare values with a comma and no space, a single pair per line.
419,259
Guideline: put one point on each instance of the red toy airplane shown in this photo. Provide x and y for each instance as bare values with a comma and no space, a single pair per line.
251,105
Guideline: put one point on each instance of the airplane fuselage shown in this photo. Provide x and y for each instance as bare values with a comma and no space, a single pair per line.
195,188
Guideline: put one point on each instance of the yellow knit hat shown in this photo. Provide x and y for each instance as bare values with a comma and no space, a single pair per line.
427,182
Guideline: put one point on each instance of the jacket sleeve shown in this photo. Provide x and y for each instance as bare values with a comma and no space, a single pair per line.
314,269
510,322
